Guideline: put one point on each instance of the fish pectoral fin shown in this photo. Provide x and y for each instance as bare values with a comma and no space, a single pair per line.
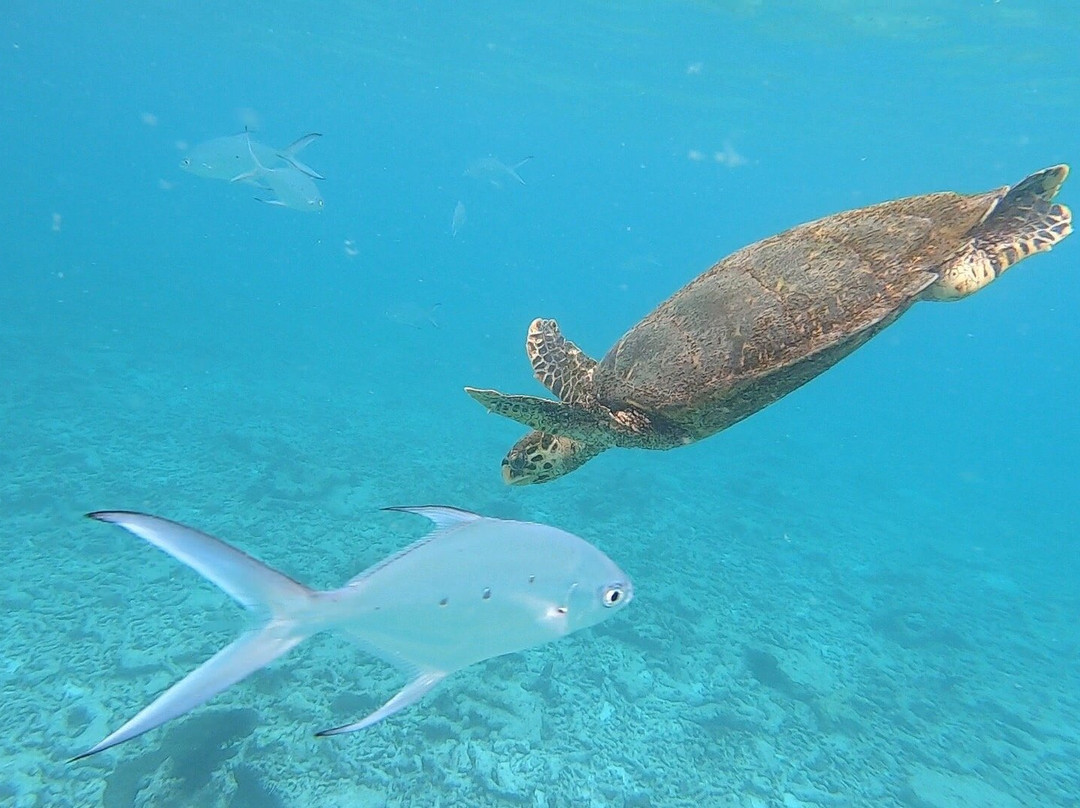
406,697
276,202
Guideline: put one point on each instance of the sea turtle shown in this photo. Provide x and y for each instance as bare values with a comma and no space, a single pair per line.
767,319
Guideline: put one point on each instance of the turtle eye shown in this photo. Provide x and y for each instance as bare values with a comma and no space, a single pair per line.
613,595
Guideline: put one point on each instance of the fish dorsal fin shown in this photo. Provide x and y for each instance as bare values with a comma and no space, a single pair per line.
445,518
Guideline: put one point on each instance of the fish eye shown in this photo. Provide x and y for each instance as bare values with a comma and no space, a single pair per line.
185,162
613,595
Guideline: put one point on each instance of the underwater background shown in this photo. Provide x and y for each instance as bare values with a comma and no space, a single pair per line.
865,595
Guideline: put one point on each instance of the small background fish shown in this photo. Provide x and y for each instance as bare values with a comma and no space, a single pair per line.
495,172
288,182
458,219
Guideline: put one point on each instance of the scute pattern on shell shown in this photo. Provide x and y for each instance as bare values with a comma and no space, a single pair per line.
773,315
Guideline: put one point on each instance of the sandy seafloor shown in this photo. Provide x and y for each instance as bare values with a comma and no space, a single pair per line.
821,638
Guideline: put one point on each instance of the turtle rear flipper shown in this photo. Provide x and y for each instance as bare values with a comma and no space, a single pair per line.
558,364
554,417
1022,222
539,458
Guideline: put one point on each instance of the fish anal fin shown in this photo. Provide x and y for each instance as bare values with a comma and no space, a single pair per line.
406,697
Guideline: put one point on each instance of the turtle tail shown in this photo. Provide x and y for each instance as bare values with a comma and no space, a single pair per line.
1023,221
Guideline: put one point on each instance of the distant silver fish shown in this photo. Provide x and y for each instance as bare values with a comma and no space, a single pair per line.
474,588
224,158
408,313
291,187
495,171
458,219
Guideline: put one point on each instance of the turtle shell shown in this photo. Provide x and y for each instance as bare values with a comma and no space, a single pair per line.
773,315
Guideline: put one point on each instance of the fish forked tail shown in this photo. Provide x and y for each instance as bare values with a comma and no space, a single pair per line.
255,586
513,170
288,154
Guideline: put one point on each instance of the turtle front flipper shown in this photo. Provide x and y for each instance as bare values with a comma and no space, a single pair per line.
1023,221
539,458
558,364
543,415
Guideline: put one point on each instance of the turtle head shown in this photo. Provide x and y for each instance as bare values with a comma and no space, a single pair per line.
540,458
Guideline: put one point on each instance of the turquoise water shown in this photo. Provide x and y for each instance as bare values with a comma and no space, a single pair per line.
866,595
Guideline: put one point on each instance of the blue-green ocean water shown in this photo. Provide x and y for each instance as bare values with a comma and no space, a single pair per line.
866,595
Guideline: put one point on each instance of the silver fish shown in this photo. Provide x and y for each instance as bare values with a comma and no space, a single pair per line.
291,187
495,171
458,218
408,313
224,158
473,589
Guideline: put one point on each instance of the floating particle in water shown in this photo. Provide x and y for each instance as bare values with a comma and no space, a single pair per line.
148,118
350,248
695,155
694,68
165,185
57,221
